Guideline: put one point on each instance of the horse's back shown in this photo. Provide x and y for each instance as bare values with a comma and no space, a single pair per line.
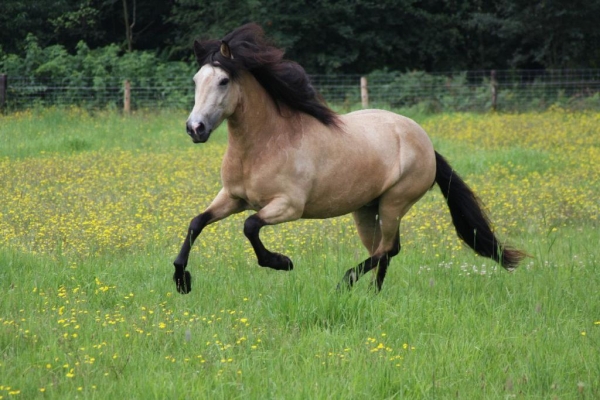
385,123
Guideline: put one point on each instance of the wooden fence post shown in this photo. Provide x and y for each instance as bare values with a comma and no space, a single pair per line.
3,89
364,92
494,84
127,97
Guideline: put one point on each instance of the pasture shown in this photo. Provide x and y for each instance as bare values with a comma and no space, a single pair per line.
94,205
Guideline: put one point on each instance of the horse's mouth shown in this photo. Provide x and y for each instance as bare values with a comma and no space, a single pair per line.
202,138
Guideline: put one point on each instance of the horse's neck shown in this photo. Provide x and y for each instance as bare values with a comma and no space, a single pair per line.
256,118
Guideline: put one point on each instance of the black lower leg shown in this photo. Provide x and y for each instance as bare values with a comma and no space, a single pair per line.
353,274
381,262
265,257
381,271
182,278
385,262
396,247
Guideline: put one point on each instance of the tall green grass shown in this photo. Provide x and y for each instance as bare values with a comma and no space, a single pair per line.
448,324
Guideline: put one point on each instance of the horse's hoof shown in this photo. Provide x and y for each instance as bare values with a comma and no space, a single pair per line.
347,281
278,262
287,264
283,263
183,281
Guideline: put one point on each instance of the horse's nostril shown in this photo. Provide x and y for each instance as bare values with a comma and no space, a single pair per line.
195,129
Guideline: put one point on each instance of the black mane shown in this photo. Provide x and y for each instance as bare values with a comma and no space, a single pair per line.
285,81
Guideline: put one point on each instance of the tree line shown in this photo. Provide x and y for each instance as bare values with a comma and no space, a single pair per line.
325,36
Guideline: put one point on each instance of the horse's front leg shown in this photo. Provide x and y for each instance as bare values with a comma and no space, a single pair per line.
277,211
221,207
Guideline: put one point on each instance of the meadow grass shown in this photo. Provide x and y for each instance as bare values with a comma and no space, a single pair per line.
93,207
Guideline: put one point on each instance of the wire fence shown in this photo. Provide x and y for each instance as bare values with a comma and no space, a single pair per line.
506,90
25,92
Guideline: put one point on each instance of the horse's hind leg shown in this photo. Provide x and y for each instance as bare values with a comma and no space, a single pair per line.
353,274
366,220
378,228
385,261
374,234
378,260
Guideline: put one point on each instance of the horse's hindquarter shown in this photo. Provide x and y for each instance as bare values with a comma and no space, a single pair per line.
376,151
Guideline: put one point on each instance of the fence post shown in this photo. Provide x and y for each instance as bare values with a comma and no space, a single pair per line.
494,84
127,97
364,92
3,89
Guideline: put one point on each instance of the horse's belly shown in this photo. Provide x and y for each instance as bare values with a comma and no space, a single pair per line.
327,212
331,204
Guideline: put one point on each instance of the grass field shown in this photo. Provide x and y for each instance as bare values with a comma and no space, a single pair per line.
93,208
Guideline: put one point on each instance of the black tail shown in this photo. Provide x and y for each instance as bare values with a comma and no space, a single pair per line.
471,223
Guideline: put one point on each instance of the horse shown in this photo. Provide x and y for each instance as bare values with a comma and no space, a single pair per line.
289,156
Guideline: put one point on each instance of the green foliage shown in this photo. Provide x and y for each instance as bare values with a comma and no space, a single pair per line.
556,34
18,19
450,92
103,69
97,22
347,36
338,36
56,63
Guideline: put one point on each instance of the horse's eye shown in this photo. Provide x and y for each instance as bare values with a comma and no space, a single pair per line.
224,82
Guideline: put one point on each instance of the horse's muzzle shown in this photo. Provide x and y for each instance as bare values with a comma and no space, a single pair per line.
198,131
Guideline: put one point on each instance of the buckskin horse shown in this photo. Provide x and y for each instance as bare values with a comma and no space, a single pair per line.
289,156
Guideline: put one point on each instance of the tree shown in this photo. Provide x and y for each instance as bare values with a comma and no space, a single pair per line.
330,35
192,19
19,18
347,36
544,34
99,23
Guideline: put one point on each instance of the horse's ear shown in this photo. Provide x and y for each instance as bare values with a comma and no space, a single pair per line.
225,50
200,51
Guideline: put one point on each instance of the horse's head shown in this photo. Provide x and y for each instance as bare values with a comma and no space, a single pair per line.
216,98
